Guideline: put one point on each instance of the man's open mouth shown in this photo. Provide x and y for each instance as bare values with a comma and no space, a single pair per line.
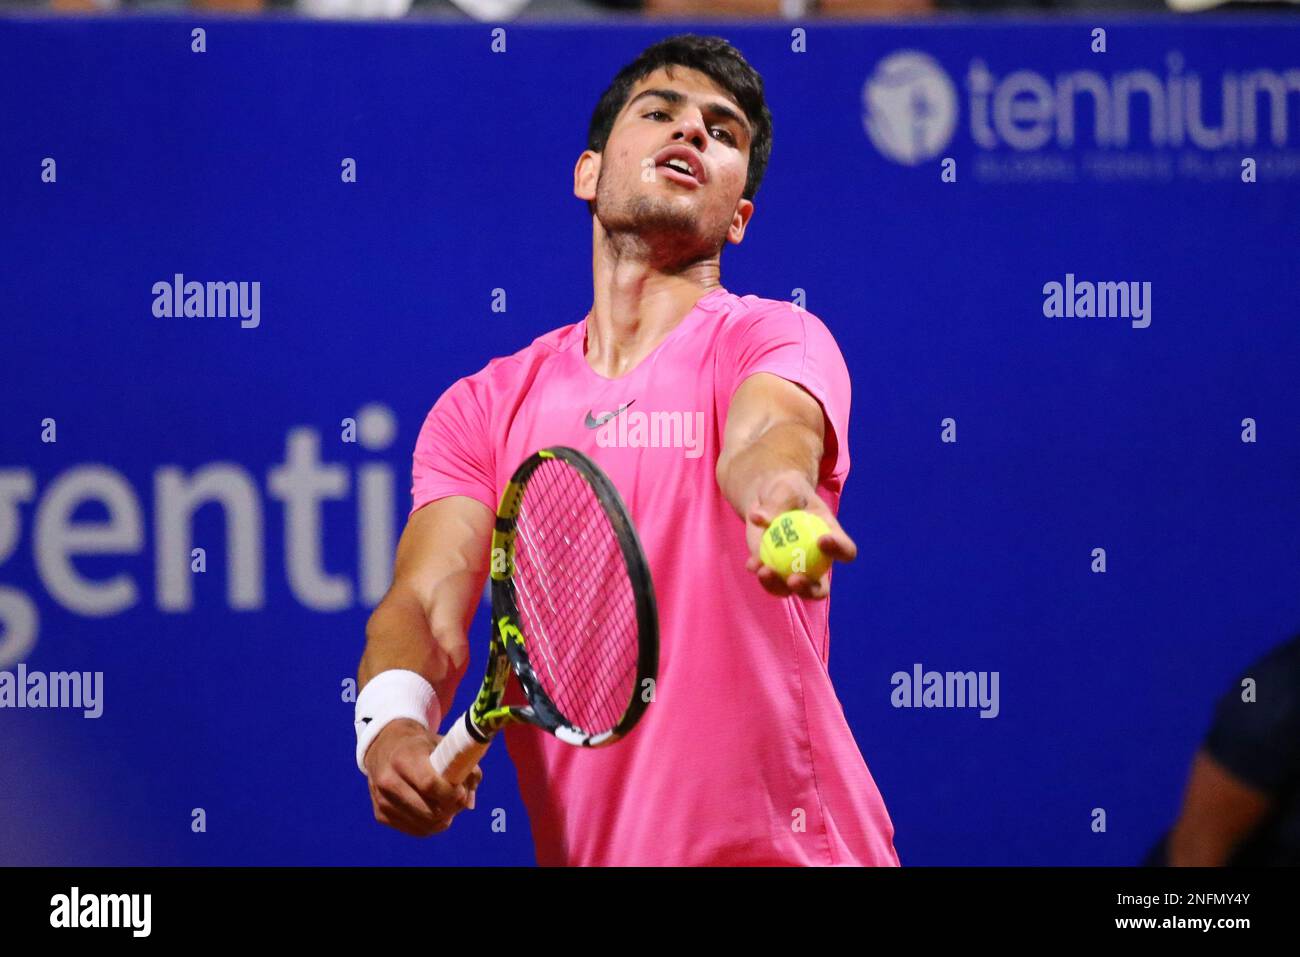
677,163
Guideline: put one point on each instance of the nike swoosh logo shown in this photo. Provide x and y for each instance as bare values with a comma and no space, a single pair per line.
593,423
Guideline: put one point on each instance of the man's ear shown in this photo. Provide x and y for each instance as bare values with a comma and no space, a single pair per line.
585,174
740,221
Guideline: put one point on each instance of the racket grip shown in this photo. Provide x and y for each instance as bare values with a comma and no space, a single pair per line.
457,753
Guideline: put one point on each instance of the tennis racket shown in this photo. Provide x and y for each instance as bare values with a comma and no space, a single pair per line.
573,614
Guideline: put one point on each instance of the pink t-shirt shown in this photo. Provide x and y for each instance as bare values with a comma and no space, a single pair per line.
744,757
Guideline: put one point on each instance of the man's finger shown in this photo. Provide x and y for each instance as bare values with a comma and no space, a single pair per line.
818,589
405,823
400,793
406,811
435,789
838,547
806,587
772,582
471,786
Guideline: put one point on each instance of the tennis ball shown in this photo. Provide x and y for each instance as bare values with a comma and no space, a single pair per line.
789,545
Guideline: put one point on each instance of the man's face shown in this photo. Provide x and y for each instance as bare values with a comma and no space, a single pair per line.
686,121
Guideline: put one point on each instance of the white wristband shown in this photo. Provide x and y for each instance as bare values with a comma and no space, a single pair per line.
391,695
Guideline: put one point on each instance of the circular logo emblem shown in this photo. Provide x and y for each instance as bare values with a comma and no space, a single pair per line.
909,107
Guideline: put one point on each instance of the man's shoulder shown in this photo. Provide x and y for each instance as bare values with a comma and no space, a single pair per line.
750,310
502,374
505,369
751,302
755,322
545,346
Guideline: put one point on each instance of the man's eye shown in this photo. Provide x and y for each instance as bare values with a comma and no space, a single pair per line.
725,132
656,113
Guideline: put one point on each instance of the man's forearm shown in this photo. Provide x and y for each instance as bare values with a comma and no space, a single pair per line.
788,448
400,634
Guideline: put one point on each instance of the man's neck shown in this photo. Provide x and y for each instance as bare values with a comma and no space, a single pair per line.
634,311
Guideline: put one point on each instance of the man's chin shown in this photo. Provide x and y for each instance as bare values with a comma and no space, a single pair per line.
655,216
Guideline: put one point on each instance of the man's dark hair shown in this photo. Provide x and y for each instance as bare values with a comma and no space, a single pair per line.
715,58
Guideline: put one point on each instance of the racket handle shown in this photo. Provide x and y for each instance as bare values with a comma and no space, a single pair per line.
457,753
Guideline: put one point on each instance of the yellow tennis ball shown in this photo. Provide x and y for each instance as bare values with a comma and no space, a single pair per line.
790,545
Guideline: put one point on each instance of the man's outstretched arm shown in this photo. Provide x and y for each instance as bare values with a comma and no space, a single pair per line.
420,626
771,454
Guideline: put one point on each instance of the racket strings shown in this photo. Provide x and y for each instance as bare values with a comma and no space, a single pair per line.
575,599
566,651
582,604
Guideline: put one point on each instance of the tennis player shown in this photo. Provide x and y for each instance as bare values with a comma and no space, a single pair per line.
734,409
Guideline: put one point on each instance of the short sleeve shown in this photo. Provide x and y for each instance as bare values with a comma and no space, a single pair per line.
1259,740
785,340
453,451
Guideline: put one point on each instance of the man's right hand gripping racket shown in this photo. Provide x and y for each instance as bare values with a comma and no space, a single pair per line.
573,614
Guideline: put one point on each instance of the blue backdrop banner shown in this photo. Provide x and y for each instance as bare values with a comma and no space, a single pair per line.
1064,281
